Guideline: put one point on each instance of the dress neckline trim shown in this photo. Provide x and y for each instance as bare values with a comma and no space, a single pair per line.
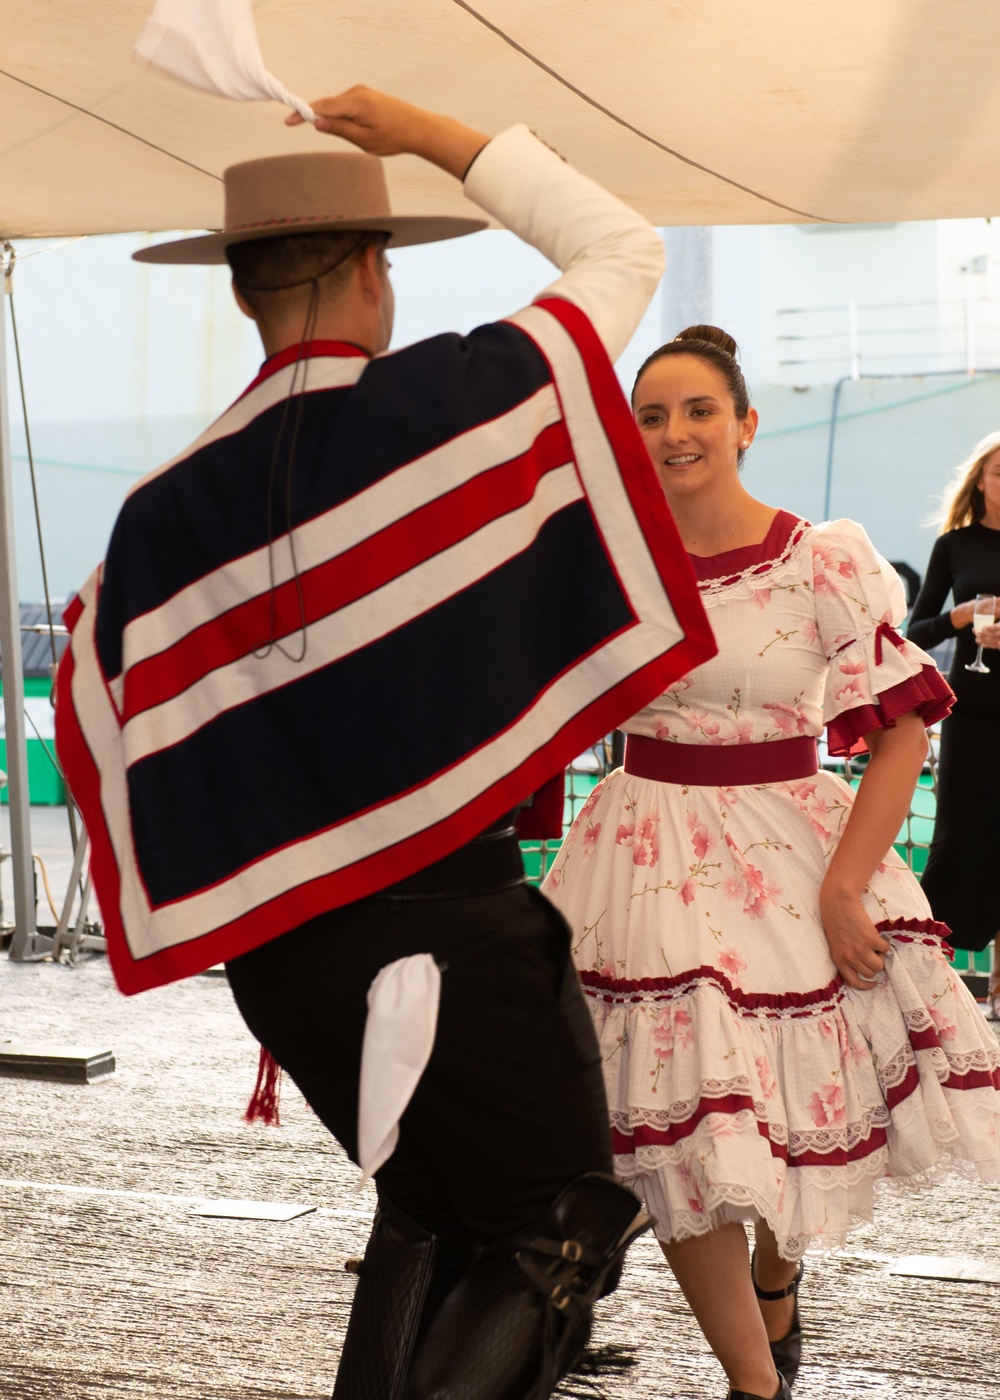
784,532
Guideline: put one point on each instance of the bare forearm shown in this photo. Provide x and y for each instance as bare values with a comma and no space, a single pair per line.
610,258
856,946
881,805
447,143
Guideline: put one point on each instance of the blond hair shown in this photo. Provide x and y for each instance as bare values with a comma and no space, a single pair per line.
962,503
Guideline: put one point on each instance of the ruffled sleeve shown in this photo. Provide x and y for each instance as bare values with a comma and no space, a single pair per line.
875,674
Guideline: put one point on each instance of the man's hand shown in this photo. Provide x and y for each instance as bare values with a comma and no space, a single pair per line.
388,126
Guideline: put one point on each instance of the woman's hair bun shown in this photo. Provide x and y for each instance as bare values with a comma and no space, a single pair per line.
718,349
714,335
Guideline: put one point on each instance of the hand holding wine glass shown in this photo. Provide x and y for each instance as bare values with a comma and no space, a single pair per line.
982,616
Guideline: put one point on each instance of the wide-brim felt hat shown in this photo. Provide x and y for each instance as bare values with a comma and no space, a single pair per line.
308,192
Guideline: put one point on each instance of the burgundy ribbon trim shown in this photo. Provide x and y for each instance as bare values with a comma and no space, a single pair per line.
927,692
720,765
802,1004
886,629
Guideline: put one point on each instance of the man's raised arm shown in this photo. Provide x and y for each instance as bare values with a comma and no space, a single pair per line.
610,257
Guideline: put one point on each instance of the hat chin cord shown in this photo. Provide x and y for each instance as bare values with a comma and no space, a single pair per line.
296,391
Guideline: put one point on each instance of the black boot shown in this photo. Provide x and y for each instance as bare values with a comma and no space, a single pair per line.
519,1319
403,1278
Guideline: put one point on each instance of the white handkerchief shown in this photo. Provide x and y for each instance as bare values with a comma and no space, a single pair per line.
399,1037
212,45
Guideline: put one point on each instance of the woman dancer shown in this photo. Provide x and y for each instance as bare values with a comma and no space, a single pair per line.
779,1023
965,561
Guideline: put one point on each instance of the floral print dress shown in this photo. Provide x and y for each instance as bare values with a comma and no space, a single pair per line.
746,1080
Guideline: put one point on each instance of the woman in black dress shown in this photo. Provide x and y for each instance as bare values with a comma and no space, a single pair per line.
960,878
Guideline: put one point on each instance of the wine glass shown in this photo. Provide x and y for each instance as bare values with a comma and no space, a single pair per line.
982,616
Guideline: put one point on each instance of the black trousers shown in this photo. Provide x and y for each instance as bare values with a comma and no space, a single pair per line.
958,880
511,1107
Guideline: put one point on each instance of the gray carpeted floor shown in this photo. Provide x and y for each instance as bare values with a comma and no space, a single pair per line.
109,1285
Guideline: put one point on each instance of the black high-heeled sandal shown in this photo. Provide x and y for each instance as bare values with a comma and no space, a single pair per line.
782,1393
787,1351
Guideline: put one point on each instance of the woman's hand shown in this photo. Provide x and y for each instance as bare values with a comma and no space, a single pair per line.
990,637
856,946
961,614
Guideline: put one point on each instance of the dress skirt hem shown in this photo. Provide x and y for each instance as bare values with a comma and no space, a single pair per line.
799,1105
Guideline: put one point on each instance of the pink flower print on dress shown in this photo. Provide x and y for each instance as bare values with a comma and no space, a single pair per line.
661,729
645,847
590,838
590,804
640,837
691,1189
734,729
852,692
702,723
851,1052
731,962
733,887
790,719
811,804
760,896
685,683
809,632
830,573
727,796
701,841
749,884
760,597
946,1029
768,1083
671,1032
555,876
688,890
828,1106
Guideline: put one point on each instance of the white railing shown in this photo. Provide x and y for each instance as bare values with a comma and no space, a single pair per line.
888,338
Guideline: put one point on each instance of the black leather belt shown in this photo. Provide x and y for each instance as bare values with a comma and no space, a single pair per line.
490,862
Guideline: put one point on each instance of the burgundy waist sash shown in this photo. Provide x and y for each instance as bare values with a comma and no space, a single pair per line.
720,765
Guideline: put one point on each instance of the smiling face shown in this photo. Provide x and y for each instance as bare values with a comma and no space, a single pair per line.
688,421
989,485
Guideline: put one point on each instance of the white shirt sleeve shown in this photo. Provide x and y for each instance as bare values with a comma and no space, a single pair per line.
610,257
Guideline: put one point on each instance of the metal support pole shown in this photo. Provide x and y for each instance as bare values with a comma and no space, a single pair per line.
24,944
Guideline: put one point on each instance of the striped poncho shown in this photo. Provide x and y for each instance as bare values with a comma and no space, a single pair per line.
481,580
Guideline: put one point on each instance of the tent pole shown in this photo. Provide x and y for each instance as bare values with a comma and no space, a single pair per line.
689,286
25,938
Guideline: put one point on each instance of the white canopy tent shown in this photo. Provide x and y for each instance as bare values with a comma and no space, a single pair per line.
695,111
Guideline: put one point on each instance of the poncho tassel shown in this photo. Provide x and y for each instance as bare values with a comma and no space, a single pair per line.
263,1105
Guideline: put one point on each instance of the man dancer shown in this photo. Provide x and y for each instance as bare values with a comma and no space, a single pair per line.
332,650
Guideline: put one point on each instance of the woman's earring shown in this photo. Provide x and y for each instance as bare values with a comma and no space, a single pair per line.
745,442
